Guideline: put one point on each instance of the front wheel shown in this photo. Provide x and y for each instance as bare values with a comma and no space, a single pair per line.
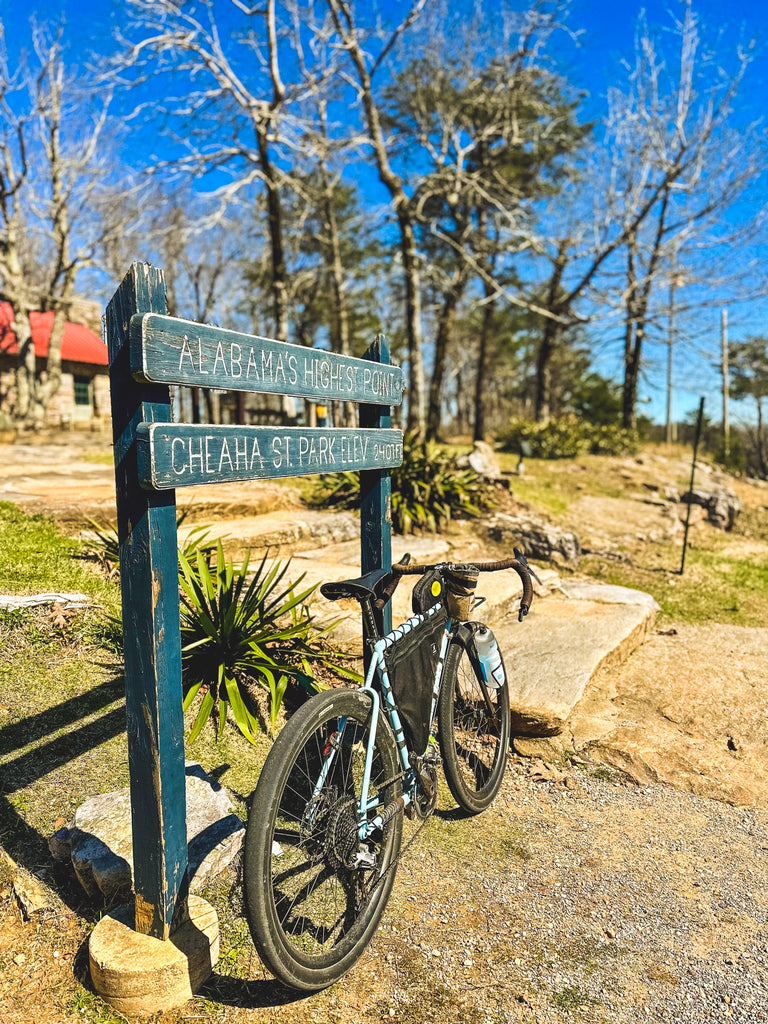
314,893
473,725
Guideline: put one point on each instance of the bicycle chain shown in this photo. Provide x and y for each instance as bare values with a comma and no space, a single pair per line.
403,849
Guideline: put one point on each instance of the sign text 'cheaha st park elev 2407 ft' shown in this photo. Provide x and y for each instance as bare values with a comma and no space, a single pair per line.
181,455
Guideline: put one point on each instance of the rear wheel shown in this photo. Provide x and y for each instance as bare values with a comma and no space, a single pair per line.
314,892
473,726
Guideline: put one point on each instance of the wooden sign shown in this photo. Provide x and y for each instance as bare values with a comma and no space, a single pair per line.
182,455
167,350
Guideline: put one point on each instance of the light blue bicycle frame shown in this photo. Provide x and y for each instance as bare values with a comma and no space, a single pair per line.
378,666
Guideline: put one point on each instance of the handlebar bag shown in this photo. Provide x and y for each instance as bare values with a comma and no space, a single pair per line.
411,663
427,593
460,583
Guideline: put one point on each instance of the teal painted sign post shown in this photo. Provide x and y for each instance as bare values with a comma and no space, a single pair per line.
153,456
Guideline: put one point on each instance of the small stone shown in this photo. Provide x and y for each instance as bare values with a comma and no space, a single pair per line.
610,933
19,959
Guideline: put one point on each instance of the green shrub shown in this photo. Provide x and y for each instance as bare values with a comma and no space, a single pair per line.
611,440
566,438
428,490
236,637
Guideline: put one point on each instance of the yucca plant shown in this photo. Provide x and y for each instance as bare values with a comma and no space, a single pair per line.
237,632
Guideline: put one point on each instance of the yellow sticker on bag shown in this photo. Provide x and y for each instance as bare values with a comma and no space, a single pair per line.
436,588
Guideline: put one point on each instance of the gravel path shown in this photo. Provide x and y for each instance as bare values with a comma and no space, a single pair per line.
578,896
592,900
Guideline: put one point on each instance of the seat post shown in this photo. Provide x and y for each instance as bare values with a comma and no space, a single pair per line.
372,629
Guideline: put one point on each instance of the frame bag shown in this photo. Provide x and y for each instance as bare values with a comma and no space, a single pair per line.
411,663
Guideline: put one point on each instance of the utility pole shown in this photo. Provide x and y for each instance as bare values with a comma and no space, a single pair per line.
670,342
675,280
724,342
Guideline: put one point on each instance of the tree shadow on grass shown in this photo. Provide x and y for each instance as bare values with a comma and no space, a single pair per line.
28,752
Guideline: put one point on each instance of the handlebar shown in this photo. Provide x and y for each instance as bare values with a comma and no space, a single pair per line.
518,563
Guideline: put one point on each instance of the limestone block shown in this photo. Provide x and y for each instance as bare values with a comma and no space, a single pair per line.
140,975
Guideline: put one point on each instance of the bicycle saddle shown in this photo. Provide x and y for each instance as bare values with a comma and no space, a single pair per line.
360,588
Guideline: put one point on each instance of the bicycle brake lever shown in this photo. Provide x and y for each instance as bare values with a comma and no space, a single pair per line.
520,556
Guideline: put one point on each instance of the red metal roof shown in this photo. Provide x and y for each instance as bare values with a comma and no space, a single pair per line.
79,346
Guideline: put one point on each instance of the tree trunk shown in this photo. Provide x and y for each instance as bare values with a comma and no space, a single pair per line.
550,336
342,17
275,225
26,369
442,337
482,370
761,459
51,382
547,347
409,249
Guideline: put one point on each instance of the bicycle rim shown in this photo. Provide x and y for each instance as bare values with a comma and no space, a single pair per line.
473,723
311,914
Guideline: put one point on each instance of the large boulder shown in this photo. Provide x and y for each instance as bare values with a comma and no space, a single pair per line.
482,461
538,538
721,504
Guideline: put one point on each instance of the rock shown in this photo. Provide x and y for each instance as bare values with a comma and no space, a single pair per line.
722,505
668,714
9,602
607,593
537,538
100,841
563,643
30,893
482,460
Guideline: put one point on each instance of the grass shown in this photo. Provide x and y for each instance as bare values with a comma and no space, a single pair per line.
718,585
36,556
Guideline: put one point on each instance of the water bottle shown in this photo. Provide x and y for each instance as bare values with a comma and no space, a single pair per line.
490,657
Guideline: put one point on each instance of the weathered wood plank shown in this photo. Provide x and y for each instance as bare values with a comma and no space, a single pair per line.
376,492
173,351
151,635
184,455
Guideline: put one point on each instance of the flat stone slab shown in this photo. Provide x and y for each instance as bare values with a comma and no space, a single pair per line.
11,602
554,653
606,593
290,529
99,842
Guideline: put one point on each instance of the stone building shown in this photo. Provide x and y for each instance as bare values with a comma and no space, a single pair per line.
83,398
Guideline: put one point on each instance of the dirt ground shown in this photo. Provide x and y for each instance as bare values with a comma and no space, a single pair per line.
629,884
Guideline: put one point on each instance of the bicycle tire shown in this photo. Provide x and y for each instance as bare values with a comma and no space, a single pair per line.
473,739
310,915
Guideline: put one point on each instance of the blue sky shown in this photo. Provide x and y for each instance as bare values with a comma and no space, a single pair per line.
605,32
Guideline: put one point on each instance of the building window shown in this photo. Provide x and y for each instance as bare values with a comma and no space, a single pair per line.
82,390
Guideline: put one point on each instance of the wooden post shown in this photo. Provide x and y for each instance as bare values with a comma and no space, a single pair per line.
151,634
376,492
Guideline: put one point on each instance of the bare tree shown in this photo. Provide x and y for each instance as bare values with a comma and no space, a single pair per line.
53,172
674,132
238,112
364,68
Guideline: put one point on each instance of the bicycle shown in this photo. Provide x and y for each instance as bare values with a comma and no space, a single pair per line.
325,826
